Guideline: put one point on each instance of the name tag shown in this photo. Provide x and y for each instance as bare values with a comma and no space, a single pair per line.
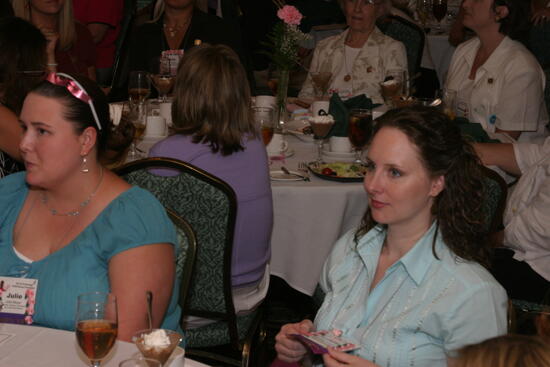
17,299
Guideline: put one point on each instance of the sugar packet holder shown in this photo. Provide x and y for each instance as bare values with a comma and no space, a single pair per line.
320,341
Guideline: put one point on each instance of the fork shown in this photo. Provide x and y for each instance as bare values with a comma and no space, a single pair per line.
302,167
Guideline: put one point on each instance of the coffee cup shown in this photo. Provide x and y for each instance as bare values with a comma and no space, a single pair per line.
319,108
165,110
340,144
278,145
156,126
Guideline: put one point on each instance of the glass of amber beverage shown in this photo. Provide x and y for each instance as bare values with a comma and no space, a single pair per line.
96,325
263,118
359,130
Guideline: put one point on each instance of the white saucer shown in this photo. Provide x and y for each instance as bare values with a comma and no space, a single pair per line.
288,153
281,176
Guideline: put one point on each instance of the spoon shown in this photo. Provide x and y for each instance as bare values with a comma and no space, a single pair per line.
287,172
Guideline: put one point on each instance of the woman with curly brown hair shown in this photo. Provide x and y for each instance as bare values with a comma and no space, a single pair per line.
407,287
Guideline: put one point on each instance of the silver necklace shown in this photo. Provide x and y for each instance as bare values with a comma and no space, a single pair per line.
82,205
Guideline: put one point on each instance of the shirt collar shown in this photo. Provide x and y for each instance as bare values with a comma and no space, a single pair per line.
418,260
495,60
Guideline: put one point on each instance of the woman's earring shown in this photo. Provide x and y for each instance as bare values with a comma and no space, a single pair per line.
84,168
497,18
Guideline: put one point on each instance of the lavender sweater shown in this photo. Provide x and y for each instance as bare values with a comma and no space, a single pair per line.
247,172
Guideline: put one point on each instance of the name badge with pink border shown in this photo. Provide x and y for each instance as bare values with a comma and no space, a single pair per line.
17,299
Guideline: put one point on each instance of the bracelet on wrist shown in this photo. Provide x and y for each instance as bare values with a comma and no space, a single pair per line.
51,64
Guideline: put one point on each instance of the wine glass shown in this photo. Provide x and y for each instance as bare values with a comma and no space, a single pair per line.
321,82
96,325
139,362
138,117
139,87
321,126
165,342
423,10
161,78
439,8
359,130
263,118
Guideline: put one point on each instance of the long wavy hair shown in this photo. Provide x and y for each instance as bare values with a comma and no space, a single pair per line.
66,27
443,151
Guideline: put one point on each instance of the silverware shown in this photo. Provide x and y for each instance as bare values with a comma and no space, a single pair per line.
286,171
303,167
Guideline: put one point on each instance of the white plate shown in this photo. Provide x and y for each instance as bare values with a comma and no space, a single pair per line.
288,153
329,153
281,176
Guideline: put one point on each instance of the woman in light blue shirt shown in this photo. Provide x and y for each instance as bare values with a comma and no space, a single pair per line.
407,287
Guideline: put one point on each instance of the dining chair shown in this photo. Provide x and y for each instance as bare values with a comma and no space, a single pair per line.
529,318
209,205
410,34
495,193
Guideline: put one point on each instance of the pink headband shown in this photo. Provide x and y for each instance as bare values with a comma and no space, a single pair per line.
75,88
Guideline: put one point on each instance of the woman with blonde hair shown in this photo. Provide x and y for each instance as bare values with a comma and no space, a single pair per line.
505,351
70,45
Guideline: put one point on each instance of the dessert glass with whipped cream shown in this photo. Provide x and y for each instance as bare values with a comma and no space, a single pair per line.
157,344
393,86
321,126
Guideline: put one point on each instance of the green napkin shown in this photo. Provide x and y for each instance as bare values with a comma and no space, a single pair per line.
340,111
473,130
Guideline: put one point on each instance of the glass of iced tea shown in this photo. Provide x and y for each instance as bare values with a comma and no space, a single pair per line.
359,130
263,118
96,325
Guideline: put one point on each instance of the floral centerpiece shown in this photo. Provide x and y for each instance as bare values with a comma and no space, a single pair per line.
283,44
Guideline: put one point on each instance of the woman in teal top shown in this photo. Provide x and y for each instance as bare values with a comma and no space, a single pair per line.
407,287
75,226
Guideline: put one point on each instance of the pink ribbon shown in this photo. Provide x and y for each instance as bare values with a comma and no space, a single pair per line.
71,86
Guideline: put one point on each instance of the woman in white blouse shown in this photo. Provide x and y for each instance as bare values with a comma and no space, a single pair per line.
499,82
359,57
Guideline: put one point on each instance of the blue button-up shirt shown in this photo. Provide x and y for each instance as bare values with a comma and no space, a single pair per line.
422,310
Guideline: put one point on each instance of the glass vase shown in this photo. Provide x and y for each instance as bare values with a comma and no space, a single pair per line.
282,91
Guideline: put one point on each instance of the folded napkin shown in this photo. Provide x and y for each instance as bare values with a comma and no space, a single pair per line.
115,110
473,131
340,111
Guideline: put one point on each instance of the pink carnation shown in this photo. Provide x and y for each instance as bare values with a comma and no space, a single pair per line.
290,15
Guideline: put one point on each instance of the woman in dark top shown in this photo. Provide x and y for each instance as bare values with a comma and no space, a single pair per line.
176,25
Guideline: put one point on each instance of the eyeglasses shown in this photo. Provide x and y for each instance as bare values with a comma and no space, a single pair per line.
76,89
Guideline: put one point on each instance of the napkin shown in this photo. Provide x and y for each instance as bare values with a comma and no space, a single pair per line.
115,110
340,111
473,130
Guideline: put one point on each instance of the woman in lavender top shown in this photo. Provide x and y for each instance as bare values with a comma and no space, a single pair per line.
215,132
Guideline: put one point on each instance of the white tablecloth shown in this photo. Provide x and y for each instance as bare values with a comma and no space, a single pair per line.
308,219
33,346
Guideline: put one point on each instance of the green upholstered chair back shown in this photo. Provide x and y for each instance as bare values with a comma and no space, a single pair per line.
209,205
495,192
408,33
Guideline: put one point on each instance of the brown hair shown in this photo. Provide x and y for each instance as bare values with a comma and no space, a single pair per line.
66,26
212,99
443,151
505,351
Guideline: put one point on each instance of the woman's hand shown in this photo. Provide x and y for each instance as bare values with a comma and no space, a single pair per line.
51,37
337,359
540,16
288,349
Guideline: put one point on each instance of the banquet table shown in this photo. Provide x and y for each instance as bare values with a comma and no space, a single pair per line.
308,219
34,346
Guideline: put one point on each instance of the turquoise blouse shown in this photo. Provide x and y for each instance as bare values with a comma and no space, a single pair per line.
423,308
133,219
